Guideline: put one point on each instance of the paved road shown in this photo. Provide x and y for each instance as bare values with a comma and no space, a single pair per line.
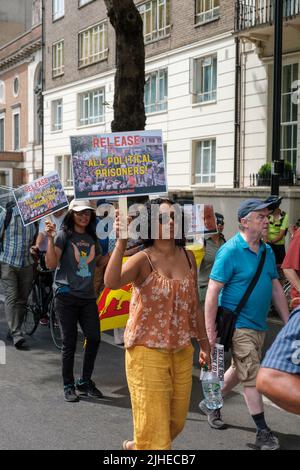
33,414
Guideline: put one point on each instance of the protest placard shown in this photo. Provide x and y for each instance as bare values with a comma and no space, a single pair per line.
40,198
118,164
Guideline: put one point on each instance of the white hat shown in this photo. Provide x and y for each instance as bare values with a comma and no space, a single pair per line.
78,205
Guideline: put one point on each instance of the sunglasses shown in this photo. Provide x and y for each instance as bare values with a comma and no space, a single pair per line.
165,218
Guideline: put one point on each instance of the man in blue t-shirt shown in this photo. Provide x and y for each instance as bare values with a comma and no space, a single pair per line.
235,265
279,376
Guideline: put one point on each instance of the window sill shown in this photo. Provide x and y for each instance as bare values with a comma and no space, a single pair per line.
203,103
57,76
84,4
54,20
56,132
84,126
203,185
92,63
202,23
155,113
158,39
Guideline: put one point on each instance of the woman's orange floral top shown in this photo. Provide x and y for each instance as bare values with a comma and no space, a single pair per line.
163,312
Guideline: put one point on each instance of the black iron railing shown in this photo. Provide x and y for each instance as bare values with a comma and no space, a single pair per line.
287,179
251,13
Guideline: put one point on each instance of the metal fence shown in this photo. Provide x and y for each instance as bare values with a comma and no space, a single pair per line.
250,13
287,179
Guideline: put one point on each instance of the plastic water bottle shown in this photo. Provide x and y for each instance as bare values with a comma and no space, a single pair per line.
211,390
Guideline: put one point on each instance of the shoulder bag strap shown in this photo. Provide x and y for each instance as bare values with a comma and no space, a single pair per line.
252,283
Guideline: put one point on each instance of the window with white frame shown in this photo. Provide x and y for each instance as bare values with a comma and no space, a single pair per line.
58,59
156,91
2,133
56,111
206,10
91,107
156,19
58,9
16,130
289,115
204,79
93,44
205,161
63,166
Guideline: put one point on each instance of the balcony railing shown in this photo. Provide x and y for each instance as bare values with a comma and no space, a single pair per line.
287,179
251,13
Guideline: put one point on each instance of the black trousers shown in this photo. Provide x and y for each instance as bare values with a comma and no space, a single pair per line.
71,310
279,252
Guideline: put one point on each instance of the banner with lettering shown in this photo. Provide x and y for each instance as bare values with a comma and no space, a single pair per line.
118,164
40,198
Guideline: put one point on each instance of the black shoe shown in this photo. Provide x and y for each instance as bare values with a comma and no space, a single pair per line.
19,342
70,395
265,440
88,389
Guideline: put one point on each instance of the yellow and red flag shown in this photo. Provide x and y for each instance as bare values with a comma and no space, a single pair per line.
113,305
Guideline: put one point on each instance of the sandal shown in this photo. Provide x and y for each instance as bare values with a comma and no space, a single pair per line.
125,444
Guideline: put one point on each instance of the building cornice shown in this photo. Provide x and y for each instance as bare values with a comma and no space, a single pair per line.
20,55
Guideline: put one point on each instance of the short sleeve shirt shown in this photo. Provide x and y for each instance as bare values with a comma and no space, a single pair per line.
77,264
275,226
292,261
235,266
284,354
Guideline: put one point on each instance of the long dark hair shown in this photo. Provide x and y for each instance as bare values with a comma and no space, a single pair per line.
158,202
68,225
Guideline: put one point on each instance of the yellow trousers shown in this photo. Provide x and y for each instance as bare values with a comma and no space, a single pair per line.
160,384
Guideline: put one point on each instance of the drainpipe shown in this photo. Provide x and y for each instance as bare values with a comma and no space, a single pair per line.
43,78
237,117
277,163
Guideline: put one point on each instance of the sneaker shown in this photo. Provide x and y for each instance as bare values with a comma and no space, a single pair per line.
265,440
88,389
70,395
214,417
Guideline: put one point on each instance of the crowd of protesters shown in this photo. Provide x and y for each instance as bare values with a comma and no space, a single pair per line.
172,303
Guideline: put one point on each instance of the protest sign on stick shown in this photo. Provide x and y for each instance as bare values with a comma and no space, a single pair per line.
118,164
42,197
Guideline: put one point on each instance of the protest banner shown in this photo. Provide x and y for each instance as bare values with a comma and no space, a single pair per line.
201,219
118,164
113,305
42,197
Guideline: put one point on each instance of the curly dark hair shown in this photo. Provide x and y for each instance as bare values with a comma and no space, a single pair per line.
68,225
158,202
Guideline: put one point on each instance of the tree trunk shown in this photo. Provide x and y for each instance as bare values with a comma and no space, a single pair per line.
129,110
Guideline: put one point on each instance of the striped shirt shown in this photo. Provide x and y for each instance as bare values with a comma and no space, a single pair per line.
17,241
284,354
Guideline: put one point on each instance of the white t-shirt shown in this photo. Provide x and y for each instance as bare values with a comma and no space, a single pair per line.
55,220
